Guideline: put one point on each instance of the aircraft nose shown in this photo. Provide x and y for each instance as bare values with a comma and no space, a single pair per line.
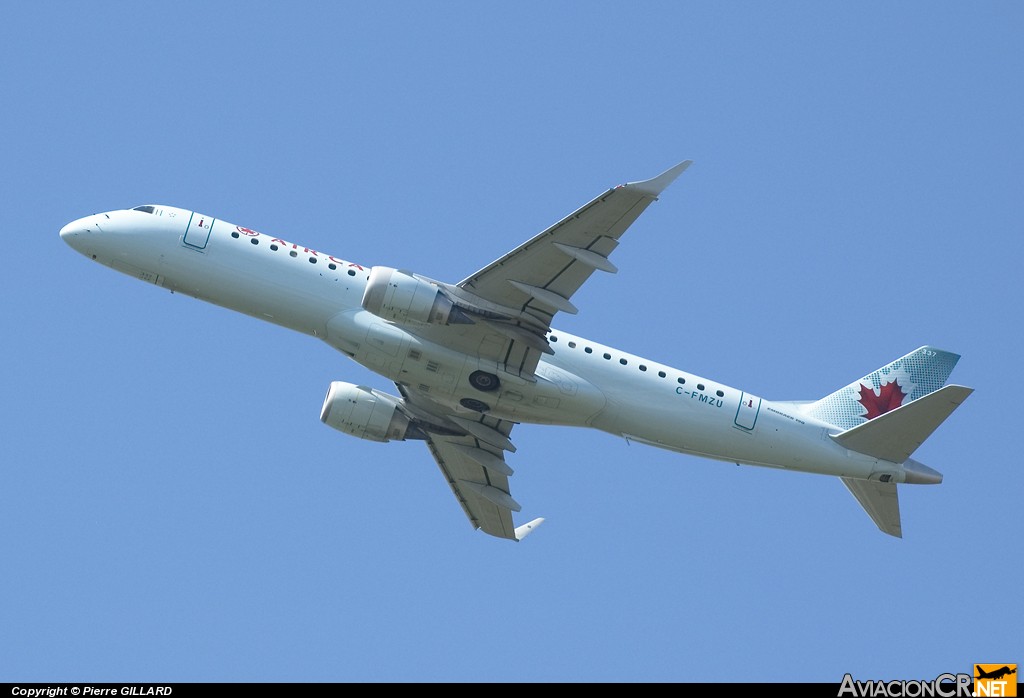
77,231
69,231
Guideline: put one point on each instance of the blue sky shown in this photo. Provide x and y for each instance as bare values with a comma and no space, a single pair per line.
172,508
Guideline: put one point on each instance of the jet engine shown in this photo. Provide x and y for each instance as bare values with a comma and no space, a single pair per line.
403,298
367,413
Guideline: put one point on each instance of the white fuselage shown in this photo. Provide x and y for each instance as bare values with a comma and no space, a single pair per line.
582,384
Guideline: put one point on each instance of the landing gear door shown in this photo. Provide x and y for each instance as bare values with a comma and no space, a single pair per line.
198,232
746,413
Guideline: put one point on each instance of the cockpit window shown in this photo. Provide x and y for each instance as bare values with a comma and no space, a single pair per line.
144,209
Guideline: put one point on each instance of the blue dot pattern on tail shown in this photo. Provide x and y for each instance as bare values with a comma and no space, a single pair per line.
918,373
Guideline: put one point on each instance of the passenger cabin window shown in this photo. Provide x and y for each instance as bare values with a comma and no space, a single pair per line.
144,209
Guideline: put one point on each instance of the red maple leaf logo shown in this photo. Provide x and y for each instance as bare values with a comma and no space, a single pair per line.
890,396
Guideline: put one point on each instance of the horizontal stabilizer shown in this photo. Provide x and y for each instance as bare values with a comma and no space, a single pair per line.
880,501
895,435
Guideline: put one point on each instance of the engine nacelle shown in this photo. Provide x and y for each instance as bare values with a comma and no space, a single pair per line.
402,298
366,413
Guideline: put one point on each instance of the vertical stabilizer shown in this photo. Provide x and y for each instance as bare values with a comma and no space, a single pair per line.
906,379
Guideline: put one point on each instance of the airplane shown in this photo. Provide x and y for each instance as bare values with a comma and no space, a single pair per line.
996,674
473,359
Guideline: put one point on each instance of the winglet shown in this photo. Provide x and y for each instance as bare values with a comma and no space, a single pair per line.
660,183
527,528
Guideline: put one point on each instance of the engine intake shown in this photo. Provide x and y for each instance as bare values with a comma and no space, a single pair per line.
403,298
367,413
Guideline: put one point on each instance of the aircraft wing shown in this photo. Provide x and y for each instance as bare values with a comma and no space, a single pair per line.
511,301
539,277
474,466
510,304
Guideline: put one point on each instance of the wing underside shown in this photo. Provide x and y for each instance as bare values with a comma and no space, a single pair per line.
483,493
471,456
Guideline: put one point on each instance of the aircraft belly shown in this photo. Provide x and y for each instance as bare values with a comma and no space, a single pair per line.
136,260
442,374
137,272
298,306
270,288
701,417
688,426
666,424
558,397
